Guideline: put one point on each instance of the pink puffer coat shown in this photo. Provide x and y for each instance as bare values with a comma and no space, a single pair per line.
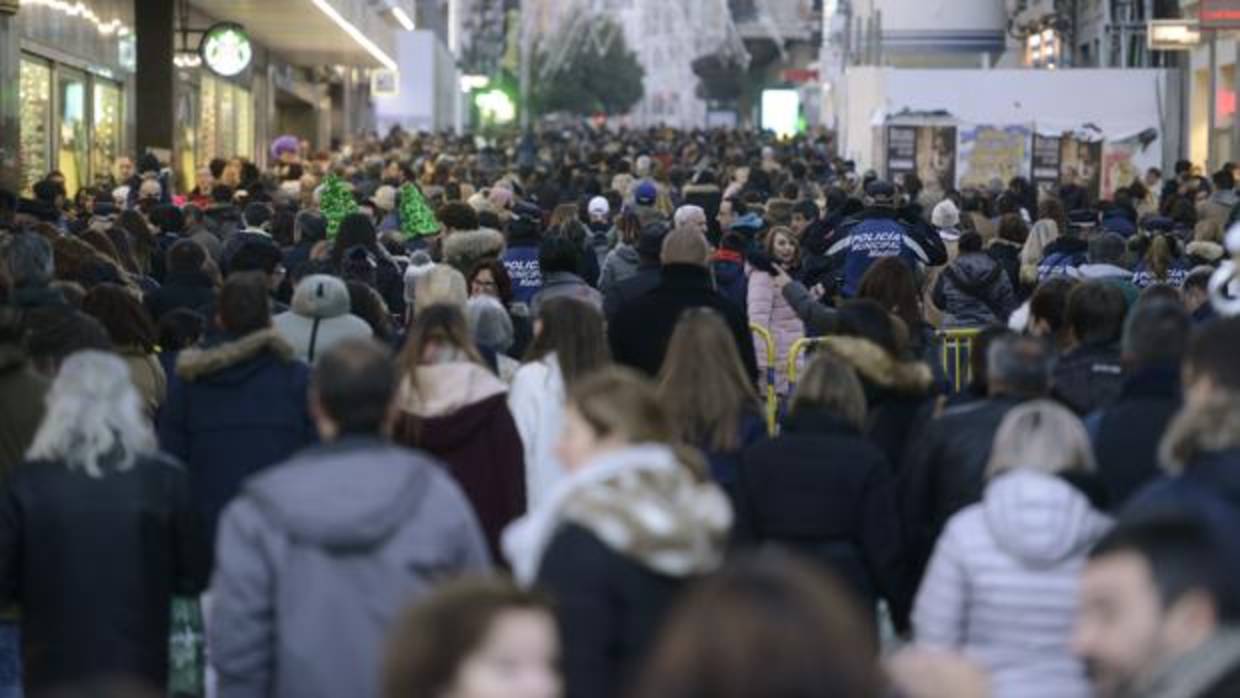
768,308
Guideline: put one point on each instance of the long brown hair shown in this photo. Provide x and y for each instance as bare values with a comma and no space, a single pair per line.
1159,256
786,232
123,316
891,283
573,331
703,384
436,637
438,323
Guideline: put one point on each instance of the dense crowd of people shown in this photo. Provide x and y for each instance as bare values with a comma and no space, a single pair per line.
572,441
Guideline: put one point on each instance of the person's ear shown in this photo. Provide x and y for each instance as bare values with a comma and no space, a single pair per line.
1191,621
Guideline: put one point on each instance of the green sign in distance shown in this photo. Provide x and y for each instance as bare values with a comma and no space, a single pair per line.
226,49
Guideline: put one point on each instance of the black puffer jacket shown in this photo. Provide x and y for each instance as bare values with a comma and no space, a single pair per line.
974,291
69,541
1126,435
945,471
823,490
1089,377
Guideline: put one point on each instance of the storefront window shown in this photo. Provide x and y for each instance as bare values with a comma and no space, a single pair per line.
106,141
187,122
245,124
208,146
71,158
227,122
36,114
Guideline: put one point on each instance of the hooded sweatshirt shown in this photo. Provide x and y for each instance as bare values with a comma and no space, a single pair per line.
318,558
319,317
974,291
1001,585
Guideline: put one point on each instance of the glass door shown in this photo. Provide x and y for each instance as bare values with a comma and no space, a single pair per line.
72,149
36,116
106,140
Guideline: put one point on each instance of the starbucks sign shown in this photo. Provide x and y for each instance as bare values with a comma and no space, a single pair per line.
226,49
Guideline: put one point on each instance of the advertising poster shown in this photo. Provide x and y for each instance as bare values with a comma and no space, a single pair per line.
1118,167
901,151
1045,174
989,155
1080,163
936,160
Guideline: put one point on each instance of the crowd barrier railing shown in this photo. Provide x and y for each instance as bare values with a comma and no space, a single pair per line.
772,399
955,354
798,348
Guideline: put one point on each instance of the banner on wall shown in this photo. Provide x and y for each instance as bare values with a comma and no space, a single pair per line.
1080,163
936,160
1045,163
1118,166
901,151
989,154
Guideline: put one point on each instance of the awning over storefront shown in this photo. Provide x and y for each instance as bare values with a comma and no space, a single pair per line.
313,32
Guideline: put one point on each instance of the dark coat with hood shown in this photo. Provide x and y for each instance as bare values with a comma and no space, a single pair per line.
824,491
192,291
234,408
319,556
1126,435
974,291
22,390
93,563
459,414
1089,377
896,392
640,331
945,471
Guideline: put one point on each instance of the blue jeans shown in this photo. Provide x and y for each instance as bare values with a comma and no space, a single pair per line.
10,661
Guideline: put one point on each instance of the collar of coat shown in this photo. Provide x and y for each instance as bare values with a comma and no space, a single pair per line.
194,363
471,245
876,366
1198,671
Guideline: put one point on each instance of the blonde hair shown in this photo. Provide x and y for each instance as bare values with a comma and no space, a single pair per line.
442,285
831,384
1040,435
93,412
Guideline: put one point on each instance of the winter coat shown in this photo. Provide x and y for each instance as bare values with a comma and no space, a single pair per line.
234,408
824,491
1143,276
819,319
1007,254
93,563
1126,435
521,262
1218,207
946,471
613,544
463,249
319,318
1002,585
1088,377
768,308
1110,274
974,291
22,394
560,284
725,466
1062,257
631,288
318,558
179,290
640,331
728,268
459,414
879,233
621,263
600,242
1211,670
896,392
536,401
148,377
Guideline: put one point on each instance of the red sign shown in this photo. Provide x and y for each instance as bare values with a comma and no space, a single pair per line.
1219,14
799,75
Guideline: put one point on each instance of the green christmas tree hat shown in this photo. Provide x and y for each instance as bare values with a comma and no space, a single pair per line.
336,202
416,217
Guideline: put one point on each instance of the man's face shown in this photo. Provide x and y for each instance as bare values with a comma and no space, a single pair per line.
798,224
124,169
1120,628
697,222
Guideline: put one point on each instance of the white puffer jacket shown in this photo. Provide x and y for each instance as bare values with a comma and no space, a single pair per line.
1003,582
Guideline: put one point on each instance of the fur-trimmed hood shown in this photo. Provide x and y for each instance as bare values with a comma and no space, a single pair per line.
195,363
1212,426
464,248
874,365
1205,250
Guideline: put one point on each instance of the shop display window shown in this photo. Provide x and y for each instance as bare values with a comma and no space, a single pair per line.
106,138
36,116
71,158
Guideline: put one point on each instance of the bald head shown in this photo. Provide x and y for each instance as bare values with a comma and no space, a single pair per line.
685,245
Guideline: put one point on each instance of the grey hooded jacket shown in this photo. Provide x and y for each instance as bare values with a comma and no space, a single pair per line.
319,317
317,558
974,291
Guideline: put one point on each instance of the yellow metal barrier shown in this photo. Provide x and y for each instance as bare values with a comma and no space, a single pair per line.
957,349
772,400
794,355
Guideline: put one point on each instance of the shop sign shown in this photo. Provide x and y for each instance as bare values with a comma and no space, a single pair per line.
226,49
1173,34
1219,14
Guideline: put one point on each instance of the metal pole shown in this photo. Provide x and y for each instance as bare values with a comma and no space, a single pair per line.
1212,100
